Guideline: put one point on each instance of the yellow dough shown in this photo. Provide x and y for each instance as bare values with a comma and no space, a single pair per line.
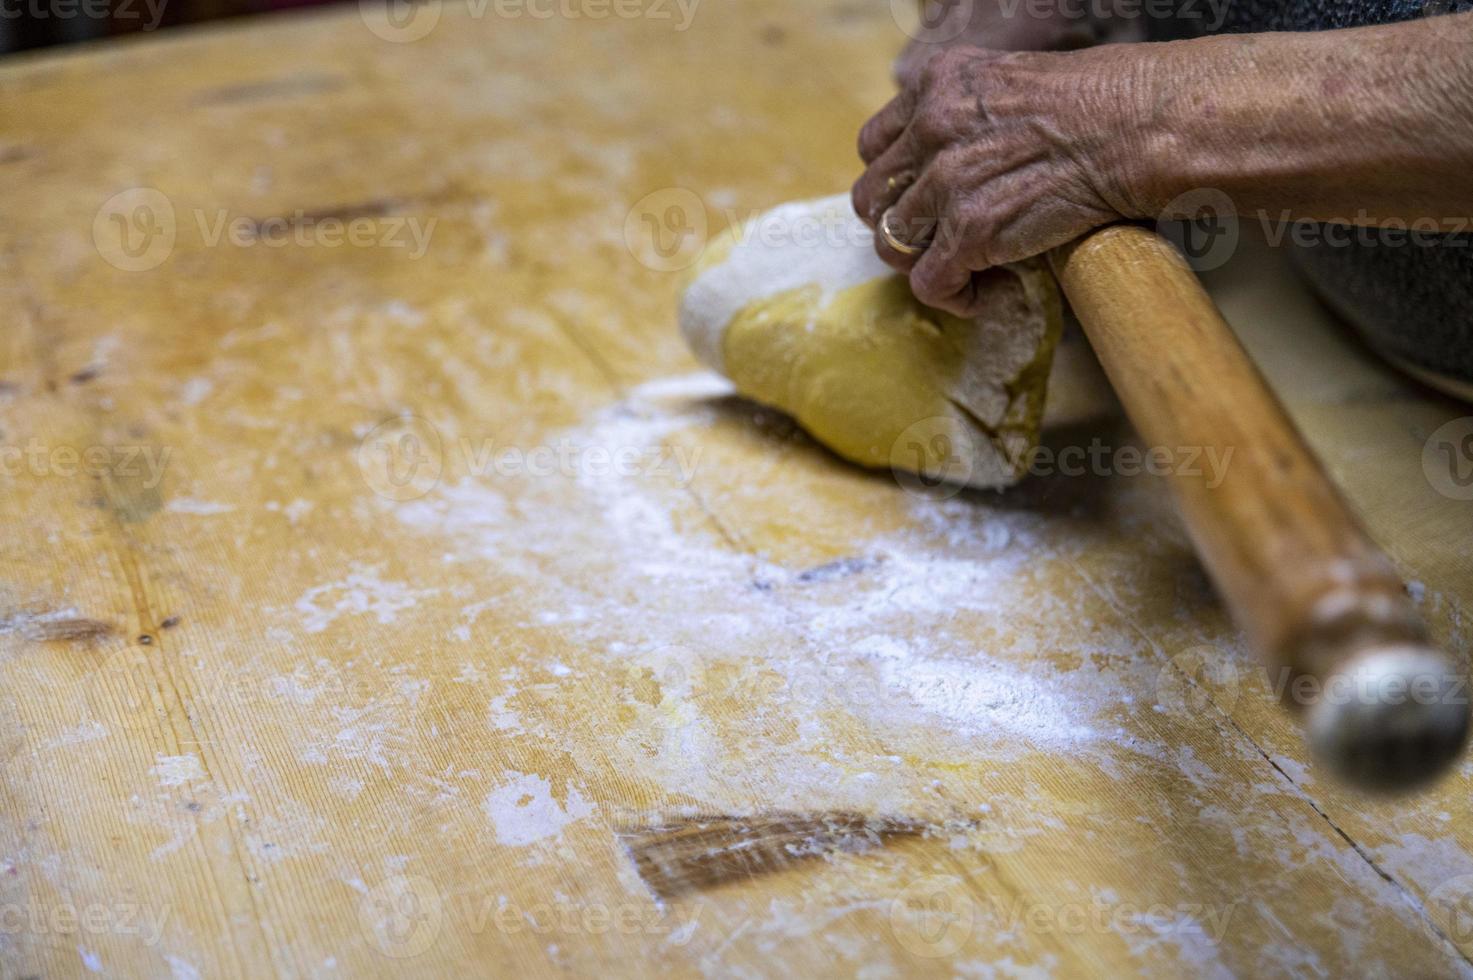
797,310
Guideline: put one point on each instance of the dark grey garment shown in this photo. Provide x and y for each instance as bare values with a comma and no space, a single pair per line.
1410,296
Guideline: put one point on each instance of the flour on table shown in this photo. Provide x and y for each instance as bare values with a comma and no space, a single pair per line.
524,811
611,571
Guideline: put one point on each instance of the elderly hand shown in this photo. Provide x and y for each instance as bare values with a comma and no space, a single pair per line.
993,157
1003,26
948,24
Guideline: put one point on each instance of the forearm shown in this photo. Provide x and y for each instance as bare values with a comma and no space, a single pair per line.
1365,126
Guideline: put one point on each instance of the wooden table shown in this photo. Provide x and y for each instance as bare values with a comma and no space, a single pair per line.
361,589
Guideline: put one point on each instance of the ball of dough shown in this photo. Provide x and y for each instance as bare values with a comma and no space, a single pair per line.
798,311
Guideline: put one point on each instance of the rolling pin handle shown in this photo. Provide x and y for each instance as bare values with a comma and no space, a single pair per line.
1391,718
1311,590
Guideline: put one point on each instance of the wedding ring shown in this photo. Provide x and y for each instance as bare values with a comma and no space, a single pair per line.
887,232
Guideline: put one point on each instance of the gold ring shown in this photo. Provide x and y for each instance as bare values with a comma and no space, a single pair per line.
899,181
894,241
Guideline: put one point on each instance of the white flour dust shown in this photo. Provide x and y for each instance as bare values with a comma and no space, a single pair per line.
775,253
628,566
524,811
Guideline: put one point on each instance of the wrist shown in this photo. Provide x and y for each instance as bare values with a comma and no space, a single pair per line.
1326,125
1114,126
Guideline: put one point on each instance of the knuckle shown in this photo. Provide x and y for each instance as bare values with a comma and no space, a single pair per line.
944,64
931,122
926,287
948,169
965,233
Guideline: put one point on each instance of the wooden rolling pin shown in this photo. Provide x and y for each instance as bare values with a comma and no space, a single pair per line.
1314,594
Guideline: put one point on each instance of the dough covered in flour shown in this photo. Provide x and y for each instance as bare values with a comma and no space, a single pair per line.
798,311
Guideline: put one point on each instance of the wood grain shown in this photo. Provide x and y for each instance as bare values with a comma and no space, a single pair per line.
376,733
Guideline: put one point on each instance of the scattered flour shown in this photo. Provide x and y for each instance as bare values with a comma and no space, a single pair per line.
204,508
361,592
524,810
624,574
176,770
181,969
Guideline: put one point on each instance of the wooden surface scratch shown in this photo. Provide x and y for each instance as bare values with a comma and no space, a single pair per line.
387,591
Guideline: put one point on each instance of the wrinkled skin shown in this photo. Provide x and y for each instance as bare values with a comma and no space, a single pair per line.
989,157
992,157
982,24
